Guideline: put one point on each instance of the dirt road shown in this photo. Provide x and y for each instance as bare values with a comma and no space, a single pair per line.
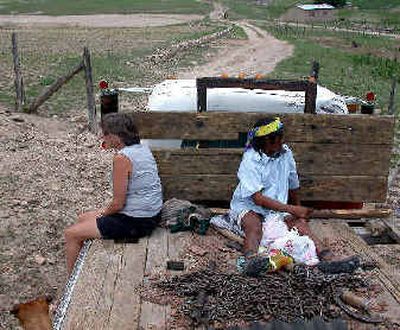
258,54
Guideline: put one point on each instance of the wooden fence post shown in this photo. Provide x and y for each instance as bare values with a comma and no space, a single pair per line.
201,96
392,105
89,90
19,82
53,88
311,91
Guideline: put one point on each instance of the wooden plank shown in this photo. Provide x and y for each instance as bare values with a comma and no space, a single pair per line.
252,83
357,129
321,159
388,274
125,313
83,309
106,301
322,188
201,97
311,98
176,243
89,90
351,213
153,316
346,214
202,84
392,97
18,82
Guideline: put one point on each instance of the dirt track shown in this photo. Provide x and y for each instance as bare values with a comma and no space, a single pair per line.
110,21
258,54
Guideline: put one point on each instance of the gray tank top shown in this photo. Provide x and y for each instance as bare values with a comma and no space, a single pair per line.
144,195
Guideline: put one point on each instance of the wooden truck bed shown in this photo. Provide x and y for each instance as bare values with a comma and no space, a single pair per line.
105,295
340,158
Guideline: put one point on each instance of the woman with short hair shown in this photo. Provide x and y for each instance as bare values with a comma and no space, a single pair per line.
137,195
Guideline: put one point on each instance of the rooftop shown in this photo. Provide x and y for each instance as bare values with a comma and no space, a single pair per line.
316,7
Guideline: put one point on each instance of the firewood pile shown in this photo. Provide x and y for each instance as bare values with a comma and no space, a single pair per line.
212,297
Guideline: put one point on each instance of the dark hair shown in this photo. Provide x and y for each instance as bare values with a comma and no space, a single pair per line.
259,141
123,126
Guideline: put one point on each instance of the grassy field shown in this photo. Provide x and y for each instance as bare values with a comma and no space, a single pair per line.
378,12
118,55
351,64
242,9
78,7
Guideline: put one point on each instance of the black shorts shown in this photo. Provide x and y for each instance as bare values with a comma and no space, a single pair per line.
123,227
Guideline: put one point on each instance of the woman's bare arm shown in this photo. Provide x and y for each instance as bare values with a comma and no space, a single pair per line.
122,168
269,203
294,197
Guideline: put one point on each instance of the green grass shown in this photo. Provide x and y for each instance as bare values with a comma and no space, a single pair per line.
379,13
373,12
79,7
245,9
352,42
376,4
343,69
117,55
238,33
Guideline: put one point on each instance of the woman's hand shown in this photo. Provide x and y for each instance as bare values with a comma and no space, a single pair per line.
299,211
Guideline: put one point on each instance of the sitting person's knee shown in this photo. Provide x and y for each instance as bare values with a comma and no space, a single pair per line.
252,223
69,233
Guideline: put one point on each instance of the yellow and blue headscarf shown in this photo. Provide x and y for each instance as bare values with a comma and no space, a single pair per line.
275,126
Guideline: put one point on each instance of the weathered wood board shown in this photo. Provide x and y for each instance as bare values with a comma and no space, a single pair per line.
332,188
106,293
105,296
339,158
319,159
387,275
354,129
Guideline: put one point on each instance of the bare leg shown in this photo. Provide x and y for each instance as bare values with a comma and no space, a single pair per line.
76,234
88,215
252,227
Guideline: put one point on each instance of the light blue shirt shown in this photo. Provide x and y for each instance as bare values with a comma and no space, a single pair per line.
144,195
273,177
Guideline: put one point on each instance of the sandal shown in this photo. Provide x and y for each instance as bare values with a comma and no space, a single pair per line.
348,265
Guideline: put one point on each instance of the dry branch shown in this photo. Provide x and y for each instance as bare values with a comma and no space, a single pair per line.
54,88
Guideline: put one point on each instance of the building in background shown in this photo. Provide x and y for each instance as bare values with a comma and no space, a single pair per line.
310,13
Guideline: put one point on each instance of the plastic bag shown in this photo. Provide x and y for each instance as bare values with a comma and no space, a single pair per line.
274,227
300,248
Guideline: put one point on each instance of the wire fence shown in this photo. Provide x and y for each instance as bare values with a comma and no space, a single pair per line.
119,55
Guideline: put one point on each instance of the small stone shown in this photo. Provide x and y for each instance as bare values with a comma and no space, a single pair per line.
18,119
39,259
198,251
